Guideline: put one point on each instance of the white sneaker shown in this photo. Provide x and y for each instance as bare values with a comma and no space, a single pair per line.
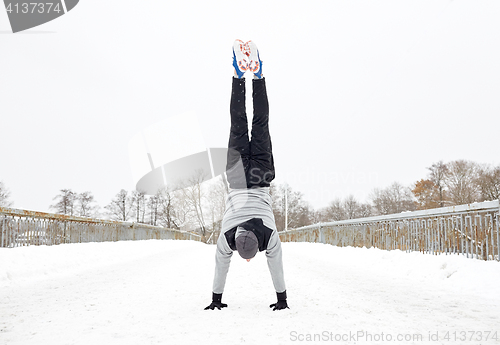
255,64
241,53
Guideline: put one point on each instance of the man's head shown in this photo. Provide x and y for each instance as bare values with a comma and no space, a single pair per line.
247,244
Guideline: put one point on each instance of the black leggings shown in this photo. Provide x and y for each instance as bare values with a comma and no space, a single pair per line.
249,163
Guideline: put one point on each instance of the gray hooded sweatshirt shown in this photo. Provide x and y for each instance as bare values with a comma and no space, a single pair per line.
251,209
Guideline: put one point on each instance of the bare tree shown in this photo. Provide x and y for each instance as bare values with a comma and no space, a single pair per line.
298,208
349,208
489,183
154,203
217,205
354,209
168,212
138,204
317,216
4,196
85,206
182,209
66,202
194,196
437,174
120,207
289,206
276,203
461,180
393,199
335,211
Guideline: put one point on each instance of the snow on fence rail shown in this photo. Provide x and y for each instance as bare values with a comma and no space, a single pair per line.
471,230
23,228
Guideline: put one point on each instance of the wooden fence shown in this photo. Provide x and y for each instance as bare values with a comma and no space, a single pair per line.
470,230
24,228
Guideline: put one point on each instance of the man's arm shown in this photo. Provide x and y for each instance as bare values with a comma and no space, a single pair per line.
275,262
223,256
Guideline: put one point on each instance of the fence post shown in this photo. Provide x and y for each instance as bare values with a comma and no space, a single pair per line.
475,234
486,235
498,237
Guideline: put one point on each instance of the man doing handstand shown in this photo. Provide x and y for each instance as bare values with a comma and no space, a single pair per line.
248,224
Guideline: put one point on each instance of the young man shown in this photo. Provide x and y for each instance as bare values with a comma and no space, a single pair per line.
248,225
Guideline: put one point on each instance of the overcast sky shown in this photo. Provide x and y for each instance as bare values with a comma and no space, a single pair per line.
362,93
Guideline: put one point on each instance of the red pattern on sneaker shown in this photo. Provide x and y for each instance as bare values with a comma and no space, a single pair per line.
254,64
245,48
242,55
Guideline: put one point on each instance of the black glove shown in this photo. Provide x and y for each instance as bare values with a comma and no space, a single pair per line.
216,302
281,304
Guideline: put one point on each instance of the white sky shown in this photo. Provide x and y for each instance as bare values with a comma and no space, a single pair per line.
362,93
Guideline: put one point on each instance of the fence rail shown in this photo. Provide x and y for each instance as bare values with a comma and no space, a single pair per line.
471,230
24,228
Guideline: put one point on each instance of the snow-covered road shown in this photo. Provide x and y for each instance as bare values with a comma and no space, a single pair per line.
154,292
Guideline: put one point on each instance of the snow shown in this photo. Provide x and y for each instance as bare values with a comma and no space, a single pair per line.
154,292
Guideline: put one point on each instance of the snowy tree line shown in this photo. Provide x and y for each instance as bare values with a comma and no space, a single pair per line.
457,182
446,184
197,206
200,206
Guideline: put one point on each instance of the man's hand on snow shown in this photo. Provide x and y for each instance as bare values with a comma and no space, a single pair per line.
281,304
216,302
217,305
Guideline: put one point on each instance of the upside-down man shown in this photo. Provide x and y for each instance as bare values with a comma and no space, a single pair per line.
248,225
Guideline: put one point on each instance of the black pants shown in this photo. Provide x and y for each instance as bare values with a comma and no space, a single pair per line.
249,163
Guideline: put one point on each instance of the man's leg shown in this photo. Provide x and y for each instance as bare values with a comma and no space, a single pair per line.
238,149
261,171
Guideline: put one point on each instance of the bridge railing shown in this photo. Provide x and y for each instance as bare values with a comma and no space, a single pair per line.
24,228
471,230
